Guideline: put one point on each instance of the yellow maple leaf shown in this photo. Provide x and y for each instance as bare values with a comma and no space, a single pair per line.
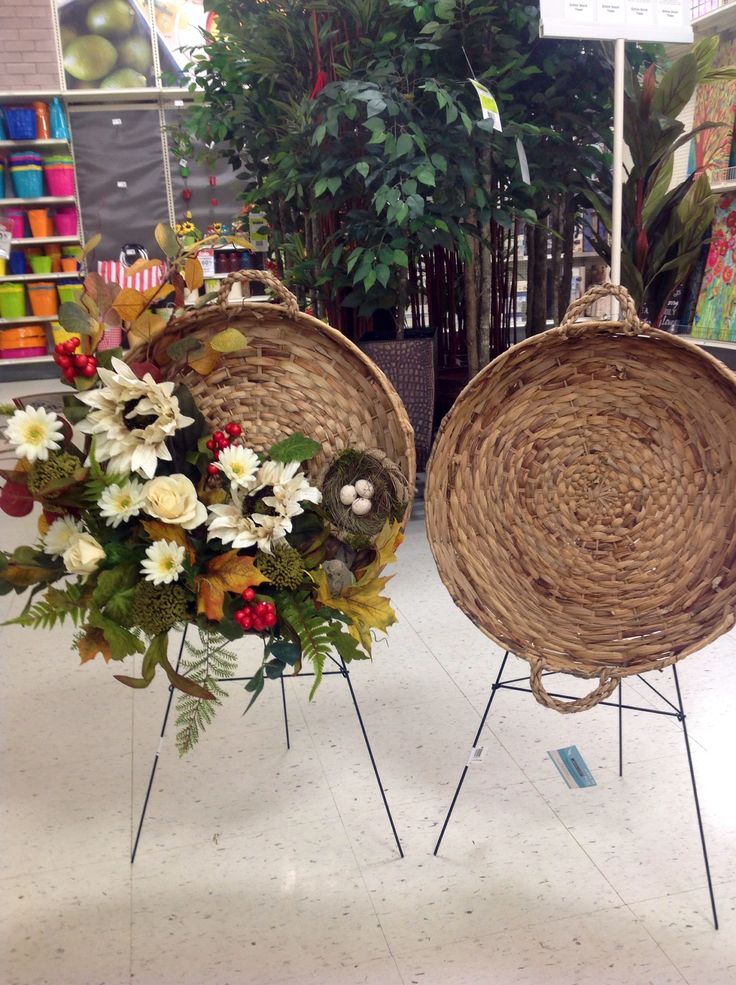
92,643
229,572
361,602
146,328
206,362
129,303
193,273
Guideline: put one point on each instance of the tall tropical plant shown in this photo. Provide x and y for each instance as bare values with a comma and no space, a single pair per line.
664,224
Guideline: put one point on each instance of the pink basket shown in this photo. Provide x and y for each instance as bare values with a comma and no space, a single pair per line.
65,221
112,338
17,222
60,181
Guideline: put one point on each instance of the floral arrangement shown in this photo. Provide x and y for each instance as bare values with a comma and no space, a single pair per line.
150,523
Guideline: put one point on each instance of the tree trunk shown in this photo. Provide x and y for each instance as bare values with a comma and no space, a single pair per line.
556,225
484,287
471,303
537,297
401,306
568,245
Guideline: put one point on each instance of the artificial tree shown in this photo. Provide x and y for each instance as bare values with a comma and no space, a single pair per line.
356,130
664,224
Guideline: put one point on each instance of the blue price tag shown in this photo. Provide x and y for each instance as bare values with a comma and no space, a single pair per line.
572,767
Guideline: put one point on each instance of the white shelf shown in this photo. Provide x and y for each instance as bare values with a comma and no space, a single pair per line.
38,240
62,275
28,320
26,360
36,142
42,200
710,343
98,95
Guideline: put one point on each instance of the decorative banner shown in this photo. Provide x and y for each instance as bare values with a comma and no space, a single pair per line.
488,105
716,312
632,20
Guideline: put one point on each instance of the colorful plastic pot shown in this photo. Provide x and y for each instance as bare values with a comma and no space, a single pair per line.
43,124
17,262
66,222
69,292
17,221
40,223
36,350
21,122
23,337
41,264
27,179
12,301
60,180
44,298
69,265
3,265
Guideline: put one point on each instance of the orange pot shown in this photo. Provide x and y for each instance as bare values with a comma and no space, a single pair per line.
44,298
54,251
69,264
27,337
40,223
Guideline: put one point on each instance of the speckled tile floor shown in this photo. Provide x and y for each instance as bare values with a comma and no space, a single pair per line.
259,866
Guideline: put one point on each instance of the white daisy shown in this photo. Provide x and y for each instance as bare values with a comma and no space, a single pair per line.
119,503
61,534
227,523
34,432
131,420
164,562
270,530
239,465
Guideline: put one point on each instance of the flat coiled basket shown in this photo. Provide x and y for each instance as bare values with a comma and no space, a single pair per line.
581,500
297,374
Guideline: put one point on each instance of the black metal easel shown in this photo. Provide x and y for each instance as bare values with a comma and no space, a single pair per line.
677,711
341,671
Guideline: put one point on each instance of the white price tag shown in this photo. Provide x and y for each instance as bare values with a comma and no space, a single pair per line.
116,121
178,102
122,184
477,755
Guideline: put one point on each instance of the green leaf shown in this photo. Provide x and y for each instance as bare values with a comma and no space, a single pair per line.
311,628
676,86
112,581
296,448
333,185
120,640
76,319
363,168
382,274
404,145
320,187
286,651
255,686
319,134
426,176
229,340
166,239
179,348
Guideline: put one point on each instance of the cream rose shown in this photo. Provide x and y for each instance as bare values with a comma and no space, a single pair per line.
83,555
173,499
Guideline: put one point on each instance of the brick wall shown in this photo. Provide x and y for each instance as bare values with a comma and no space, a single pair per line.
27,48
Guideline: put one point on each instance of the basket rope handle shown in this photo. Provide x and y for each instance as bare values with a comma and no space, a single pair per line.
264,277
629,322
608,684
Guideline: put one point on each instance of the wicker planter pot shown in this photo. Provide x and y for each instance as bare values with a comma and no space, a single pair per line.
580,500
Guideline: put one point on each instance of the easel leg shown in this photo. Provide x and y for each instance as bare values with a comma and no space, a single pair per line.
695,797
620,732
346,675
475,743
158,751
286,714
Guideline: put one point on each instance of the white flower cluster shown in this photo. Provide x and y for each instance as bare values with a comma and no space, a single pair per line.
231,524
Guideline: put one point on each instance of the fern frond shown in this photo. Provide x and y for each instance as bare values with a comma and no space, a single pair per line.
203,664
312,629
56,605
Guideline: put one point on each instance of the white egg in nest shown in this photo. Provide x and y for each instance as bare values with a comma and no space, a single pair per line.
361,506
348,495
364,488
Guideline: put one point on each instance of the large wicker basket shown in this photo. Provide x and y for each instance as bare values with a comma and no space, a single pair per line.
581,500
297,374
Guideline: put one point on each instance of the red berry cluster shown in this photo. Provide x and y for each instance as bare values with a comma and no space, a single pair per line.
257,616
73,363
221,440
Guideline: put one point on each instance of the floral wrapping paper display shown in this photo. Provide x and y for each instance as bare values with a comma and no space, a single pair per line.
150,522
715,316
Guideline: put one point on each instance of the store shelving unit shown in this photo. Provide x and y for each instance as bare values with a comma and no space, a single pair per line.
30,203
44,240
47,142
61,275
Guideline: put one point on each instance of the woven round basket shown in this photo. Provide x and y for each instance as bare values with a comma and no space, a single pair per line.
581,500
297,374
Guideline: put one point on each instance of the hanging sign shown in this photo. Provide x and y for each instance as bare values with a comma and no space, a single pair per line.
632,20
488,105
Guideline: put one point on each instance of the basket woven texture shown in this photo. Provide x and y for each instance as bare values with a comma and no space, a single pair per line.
297,374
580,500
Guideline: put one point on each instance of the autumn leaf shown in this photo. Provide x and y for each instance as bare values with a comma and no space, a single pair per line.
205,363
227,572
130,303
141,265
158,530
159,292
388,541
193,274
146,328
91,643
361,602
229,340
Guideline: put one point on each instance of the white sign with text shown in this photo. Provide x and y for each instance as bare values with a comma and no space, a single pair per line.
633,20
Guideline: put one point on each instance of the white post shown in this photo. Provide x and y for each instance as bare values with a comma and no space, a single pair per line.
618,159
